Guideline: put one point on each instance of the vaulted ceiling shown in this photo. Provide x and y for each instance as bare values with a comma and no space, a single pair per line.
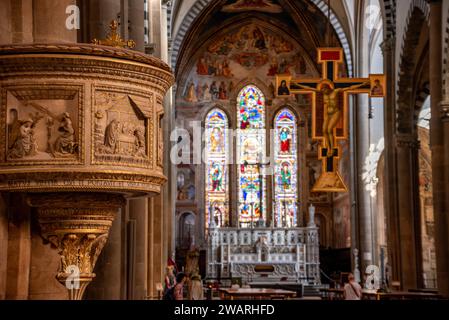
301,20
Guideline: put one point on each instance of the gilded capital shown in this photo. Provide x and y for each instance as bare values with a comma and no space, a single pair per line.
77,226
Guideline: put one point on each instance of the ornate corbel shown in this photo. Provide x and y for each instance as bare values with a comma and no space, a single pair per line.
77,225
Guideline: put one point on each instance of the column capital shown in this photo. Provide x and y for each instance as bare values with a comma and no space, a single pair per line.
444,105
77,225
444,109
407,141
388,45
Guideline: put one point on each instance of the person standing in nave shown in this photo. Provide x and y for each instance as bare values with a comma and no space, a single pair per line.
352,290
170,279
196,291
179,287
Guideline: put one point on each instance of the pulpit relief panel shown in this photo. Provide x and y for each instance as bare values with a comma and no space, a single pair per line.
122,129
43,124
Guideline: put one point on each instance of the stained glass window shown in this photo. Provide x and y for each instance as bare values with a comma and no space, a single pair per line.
250,153
285,155
217,212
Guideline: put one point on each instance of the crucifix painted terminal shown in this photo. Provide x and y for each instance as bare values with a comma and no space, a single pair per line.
330,110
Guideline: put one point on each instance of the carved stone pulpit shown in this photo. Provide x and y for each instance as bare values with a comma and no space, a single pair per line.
82,130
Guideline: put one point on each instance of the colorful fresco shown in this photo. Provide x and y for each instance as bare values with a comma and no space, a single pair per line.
249,51
253,5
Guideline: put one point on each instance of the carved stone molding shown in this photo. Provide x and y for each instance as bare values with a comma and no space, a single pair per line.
388,45
87,49
51,180
77,225
407,142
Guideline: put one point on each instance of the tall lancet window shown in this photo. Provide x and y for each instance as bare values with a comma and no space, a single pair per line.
285,155
217,185
251,152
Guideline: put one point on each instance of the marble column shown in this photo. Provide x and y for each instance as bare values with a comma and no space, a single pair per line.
3,246
162,207
110,281
100,14
441,219
391,186
49,21
138,211
132,27
150,227
439,147
157,30
16,21
136,23
363,202
6,22
157,247
19,249
406,213
354,219
169,125
159,208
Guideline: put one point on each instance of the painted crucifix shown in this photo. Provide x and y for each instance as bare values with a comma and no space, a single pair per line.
330,110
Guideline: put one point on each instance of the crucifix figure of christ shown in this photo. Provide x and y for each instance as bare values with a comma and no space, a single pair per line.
330,110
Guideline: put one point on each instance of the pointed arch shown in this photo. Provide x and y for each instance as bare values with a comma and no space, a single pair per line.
285,168
251,152
199,7
216,169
